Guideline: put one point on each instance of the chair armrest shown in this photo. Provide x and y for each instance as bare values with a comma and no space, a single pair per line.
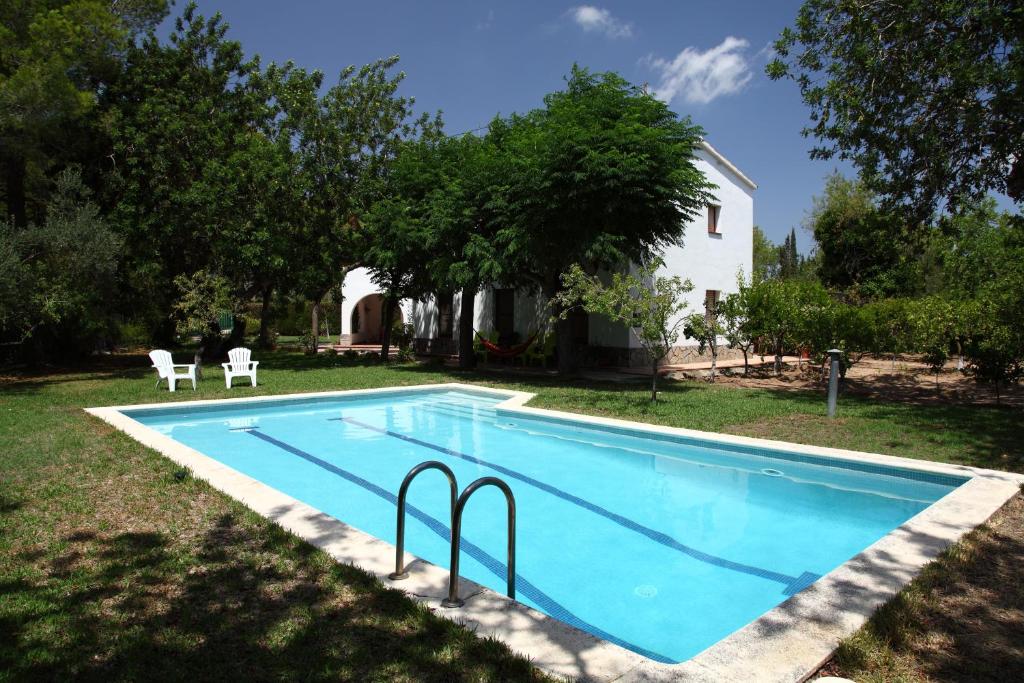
183,365
254,364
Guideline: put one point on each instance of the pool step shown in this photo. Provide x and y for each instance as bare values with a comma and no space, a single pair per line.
465,411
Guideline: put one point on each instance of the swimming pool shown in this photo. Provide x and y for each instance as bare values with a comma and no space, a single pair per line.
660,543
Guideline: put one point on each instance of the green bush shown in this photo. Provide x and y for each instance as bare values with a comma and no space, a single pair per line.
134,334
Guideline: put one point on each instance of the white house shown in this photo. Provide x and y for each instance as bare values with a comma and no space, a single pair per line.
716,247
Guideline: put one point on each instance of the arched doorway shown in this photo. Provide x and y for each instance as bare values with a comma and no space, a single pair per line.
366,319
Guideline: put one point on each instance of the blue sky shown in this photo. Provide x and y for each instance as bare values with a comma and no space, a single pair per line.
473,60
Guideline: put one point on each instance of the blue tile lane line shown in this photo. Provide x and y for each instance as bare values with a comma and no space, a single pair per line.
495,566
793,584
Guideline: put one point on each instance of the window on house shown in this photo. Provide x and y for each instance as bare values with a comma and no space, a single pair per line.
445,316
504,312
711,297
713,212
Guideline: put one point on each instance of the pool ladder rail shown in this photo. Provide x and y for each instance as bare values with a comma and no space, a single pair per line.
458,506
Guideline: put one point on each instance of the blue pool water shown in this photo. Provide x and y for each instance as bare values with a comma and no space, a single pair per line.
661,544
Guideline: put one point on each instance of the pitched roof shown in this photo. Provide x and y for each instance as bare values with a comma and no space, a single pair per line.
717,156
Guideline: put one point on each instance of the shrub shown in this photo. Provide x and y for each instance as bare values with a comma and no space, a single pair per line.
134,334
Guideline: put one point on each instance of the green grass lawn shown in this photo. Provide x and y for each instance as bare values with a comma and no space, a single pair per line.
110,567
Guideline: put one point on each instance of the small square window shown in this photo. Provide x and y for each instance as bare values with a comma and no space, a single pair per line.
713,212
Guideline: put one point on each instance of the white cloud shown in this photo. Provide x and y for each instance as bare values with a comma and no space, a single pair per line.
596,19
699,77
486,23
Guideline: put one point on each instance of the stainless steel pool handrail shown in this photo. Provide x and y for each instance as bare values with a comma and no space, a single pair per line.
400,572
453,577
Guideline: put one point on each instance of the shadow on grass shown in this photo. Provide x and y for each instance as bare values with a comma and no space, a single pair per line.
236,604
960,620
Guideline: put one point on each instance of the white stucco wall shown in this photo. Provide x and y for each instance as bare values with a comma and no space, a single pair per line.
713,260
356,285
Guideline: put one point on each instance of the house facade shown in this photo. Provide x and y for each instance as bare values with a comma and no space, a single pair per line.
716,247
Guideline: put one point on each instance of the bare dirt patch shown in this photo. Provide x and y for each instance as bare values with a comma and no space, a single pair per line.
907,379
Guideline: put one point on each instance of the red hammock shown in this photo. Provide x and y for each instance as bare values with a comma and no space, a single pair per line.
508,351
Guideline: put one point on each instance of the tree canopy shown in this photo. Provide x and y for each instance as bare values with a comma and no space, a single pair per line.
925,98
602,175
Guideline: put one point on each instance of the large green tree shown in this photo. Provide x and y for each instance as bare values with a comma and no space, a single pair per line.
925,97
462,214
602,175
345,143
765,258
197,173
57,58
862,248
57,277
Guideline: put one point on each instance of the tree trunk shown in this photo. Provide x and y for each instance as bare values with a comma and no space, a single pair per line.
315,328
15,181
237,336
778,357
566,348
385,339
467,357
746,364
654,379
714,359
263,341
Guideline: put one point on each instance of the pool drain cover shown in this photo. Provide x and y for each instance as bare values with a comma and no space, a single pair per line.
646,591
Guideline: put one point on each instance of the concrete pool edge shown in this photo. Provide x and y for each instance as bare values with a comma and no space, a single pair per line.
785,644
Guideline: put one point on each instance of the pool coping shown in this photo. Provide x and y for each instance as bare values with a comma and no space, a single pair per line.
787,643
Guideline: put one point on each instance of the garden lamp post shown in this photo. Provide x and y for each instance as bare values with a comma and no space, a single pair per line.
833,380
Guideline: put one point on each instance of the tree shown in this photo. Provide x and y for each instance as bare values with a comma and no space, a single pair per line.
706,328
602,175
649,304
779,312
190,145
345,142
396,236
923,97
788,258
933,321
202,298
56,60
862,248
736,322
995,338
458,210
57,278
766,257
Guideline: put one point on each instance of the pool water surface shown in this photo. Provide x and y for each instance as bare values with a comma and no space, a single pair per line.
663,545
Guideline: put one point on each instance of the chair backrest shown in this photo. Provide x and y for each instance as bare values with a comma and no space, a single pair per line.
162,361
239,356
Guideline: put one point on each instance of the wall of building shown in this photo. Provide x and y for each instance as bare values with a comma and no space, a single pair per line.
713,261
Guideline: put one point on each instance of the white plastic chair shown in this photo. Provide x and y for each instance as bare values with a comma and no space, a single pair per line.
240,364
164,365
